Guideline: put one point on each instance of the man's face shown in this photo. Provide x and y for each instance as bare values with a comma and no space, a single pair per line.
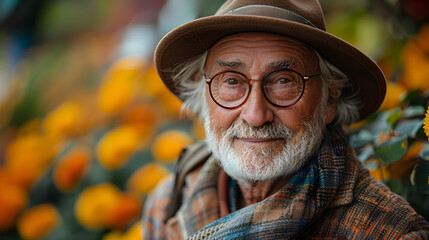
259,141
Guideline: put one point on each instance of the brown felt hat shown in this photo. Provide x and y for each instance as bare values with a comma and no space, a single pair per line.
300,19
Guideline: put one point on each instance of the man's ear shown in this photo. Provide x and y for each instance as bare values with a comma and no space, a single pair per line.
331,107
197,76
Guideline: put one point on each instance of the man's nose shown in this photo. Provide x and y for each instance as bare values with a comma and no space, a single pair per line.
256,110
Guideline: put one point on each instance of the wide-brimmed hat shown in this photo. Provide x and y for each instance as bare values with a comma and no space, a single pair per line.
300,19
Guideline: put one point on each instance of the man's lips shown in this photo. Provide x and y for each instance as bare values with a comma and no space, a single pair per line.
260,141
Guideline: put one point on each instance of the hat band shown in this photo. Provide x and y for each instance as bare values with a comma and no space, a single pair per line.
270,11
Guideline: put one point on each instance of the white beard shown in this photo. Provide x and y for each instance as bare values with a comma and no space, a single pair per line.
268,163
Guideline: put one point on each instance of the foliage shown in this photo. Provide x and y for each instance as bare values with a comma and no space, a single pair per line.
394,142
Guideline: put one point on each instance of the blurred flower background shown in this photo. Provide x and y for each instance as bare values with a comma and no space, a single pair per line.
87,128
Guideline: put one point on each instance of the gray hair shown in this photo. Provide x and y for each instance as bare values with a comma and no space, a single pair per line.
339,87
193,90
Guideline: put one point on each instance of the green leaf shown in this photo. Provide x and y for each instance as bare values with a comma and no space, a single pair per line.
392,150
420,178
414,111
409,127
394,116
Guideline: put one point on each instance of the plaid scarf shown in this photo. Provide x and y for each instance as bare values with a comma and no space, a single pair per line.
283,215
333,195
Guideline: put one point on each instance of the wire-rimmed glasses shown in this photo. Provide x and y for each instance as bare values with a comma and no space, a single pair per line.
281,87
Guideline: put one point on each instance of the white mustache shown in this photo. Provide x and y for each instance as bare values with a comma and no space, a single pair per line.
241,129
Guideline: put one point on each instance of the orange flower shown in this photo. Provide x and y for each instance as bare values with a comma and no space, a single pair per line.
104,206
95,203
127,209
28,157
118,85
151,84
171,103
13,200
38,222
113,235
416,61
145,178
116,146
394,92
144,118
169,144
381,174
63,121
71,168
135,232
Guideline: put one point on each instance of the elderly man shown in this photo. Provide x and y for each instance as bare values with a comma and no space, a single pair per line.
274,89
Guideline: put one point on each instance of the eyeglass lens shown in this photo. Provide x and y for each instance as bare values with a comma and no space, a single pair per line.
281,87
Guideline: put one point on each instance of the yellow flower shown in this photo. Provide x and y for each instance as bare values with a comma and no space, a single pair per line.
71,168
169,144
38,222
116,146
28,157
113,235
13,200
95,203
104,206
145,178
416,62
144,118
394,92
63,121
151,84
381,174
118,85
426,123
135,232
171,103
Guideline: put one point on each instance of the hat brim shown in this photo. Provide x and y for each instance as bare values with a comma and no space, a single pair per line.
195,37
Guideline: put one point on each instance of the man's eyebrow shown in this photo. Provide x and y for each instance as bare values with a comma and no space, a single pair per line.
231,64
286,63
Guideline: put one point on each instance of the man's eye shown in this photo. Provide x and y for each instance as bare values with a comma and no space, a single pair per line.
283,81
232,81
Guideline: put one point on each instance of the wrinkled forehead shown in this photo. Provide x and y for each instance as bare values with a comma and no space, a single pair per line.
272,47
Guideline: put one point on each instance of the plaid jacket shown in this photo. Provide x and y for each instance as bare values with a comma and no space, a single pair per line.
333,197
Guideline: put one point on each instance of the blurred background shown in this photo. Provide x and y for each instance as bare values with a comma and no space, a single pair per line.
87,128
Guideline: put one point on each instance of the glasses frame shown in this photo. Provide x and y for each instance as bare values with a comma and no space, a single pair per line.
303,78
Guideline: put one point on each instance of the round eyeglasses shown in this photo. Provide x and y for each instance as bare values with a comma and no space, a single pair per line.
281,87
